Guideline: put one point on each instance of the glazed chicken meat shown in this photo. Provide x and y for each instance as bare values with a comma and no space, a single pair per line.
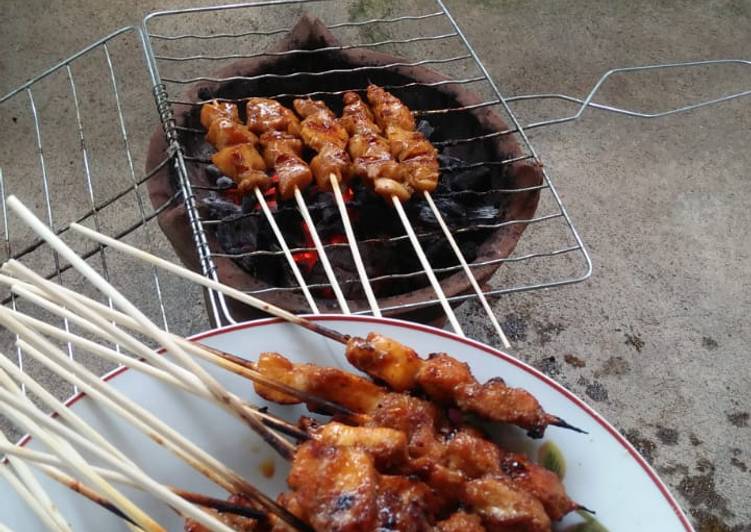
322,131
422,442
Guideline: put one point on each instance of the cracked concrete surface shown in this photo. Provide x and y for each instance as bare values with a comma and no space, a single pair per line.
657,340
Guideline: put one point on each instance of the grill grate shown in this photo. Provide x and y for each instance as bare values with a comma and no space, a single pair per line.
183,58
85,165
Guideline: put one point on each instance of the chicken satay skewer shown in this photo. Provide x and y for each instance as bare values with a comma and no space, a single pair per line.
373,159
413,149
324,133
238,158
279,128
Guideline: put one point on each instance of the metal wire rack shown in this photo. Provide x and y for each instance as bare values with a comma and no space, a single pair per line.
188,44
78,145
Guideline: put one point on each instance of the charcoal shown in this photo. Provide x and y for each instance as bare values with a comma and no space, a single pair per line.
214,172
222,180
219,208
424,127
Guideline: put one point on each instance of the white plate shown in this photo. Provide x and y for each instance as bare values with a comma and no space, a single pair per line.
603,471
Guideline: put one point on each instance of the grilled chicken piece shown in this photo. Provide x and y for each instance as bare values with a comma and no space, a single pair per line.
339,489
335,487
322,132
282,152
540,482
388,447
331,160
215,110
504,507
385,359
406,144
389,188
244,165
357,117
351,391
372,159
265,114
320,125
422,173
388,109
406,505
461,522
224,132
277,143
417,155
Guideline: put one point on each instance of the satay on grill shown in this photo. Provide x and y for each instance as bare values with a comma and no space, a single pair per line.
418,157
236,156
371,155
321,131
282,147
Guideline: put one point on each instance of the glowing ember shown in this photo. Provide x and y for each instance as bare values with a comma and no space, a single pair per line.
306,259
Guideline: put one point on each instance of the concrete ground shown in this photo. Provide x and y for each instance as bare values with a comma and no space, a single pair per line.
657,340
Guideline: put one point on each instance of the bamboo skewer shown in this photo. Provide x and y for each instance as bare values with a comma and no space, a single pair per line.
356,257
209,283
231,402
36,506
42,502
234,364
227,361
285,249
157,334
137,416
16,406
57,406
30,419
323,257
50,465
427,267
465,267
24,473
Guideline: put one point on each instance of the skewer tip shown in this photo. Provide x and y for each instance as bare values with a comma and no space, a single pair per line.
558,422
582,508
